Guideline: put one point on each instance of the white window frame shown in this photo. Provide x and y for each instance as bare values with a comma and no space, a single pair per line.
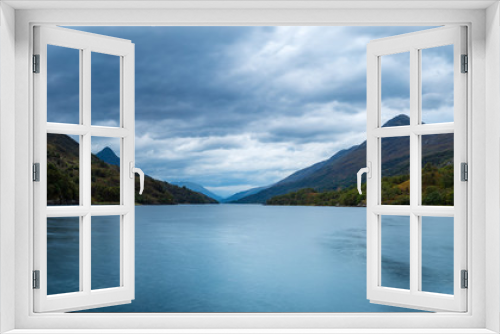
483,125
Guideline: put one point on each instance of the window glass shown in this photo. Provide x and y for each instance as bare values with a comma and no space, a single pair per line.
63,255
395,253
395,171
63,85
105,89
395,88
105,184
63,169
437,84
105,252
437,254
437,170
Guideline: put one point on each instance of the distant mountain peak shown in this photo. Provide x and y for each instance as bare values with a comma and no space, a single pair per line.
399,120
108,155
107,149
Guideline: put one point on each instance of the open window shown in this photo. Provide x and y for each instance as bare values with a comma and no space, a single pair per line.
17,107
98,220
99,225
403,225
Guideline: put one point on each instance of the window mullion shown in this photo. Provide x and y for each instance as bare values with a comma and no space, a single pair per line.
397,131
67,129
86,253
86,138
421,129
434,129
414,170
86,168
82,256
415,256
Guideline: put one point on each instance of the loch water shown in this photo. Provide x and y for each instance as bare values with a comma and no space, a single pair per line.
250,258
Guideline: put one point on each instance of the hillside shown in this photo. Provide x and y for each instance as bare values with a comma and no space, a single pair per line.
63,155
339,172
63,177
244,193
198,188
437,185
161,192
333,173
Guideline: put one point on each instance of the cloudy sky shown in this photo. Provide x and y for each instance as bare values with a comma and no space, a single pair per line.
232,108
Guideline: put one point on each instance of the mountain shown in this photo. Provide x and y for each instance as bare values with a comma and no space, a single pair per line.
107,155
198,188
159,192
339,172
63,179
244,193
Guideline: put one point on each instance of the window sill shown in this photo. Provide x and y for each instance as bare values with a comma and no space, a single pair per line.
249,331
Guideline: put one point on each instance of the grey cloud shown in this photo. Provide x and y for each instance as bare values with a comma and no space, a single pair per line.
63,85
244,97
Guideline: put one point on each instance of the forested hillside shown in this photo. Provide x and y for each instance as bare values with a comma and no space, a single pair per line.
63,180
437,189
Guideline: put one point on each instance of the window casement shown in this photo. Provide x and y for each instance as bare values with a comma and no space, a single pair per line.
413,46
85,213
480,227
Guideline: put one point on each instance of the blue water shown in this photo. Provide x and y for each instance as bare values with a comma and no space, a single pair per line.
251,258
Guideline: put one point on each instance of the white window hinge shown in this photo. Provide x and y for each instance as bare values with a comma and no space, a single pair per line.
464,171
465,64
465,279
36,63
36,279
36,172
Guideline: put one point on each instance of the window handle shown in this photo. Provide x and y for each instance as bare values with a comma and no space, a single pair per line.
368,171
139,171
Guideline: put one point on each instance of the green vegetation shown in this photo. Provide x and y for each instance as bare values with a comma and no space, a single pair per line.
63,157
62,170
309,196
437,185
160,192
105,184
437,189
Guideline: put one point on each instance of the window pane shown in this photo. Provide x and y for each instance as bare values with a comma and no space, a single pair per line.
63,169
395,251
437,254
437,84
105,171
105,89
396,170
395,88
63,255
63,85
437,169
105,252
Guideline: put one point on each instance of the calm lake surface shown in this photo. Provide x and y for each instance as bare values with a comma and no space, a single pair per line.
250,258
